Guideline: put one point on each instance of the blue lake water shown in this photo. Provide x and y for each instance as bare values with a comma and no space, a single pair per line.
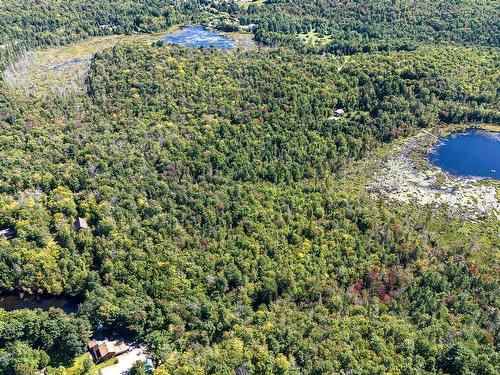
198,36
474,153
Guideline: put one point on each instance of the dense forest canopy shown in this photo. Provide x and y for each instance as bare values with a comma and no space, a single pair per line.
229,229
370,25
351,26
57,22
25,24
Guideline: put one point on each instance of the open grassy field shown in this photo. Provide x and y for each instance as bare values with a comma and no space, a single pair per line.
246,3
78,367
313,38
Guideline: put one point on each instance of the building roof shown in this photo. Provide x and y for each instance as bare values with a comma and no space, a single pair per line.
100,349
80,223
92,344
7,233
117,347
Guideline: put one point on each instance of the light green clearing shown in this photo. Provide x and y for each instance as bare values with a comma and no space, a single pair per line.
313,38
77,367
246,3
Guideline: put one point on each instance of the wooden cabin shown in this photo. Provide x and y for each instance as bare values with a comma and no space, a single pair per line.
103,350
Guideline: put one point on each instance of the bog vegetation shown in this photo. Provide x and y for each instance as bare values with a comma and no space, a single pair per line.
228,225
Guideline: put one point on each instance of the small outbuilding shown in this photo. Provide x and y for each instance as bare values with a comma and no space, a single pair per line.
338,112
7,233
80,224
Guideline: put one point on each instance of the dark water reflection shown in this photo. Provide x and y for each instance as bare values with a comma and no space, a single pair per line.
16,302
473,153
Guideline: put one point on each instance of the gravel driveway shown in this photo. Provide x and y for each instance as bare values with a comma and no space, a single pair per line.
125,362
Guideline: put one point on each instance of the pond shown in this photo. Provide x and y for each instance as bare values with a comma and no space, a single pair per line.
198,36
16,302
473,153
